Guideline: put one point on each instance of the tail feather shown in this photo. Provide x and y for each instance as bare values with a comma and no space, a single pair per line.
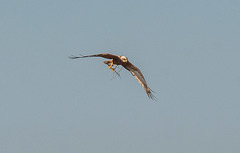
107,62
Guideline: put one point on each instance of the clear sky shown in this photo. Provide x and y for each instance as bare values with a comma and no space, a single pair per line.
188,51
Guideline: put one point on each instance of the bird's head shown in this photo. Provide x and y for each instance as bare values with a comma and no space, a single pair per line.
124,59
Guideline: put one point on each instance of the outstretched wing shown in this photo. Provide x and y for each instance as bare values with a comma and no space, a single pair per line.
139,77
104,55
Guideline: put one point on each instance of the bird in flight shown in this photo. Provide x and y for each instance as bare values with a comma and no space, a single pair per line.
123,61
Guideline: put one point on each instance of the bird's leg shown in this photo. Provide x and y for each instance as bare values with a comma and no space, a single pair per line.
110,65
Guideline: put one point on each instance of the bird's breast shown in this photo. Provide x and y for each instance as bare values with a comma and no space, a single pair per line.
117,61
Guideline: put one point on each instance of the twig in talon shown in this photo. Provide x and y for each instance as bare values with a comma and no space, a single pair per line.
117,73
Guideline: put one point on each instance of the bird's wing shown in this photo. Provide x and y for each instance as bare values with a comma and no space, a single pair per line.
104,55
139,77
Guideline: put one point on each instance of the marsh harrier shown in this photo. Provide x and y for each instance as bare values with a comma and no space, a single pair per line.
122,60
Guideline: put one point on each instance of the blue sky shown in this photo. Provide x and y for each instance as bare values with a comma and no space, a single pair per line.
188,51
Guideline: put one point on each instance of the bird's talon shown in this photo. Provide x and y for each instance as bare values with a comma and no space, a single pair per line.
110,65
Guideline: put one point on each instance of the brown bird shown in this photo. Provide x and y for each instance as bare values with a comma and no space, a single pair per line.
122,60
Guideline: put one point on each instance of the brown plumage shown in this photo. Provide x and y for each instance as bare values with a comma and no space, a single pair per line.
122,60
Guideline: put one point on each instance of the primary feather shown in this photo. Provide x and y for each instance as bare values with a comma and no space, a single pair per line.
140,78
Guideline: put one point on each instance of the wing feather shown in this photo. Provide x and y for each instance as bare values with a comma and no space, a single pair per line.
140,78
104,55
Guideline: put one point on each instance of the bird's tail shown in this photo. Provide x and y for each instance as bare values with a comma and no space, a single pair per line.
107,62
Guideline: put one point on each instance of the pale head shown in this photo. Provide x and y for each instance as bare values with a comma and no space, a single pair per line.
124,59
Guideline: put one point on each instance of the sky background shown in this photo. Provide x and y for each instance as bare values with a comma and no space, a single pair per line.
188,51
